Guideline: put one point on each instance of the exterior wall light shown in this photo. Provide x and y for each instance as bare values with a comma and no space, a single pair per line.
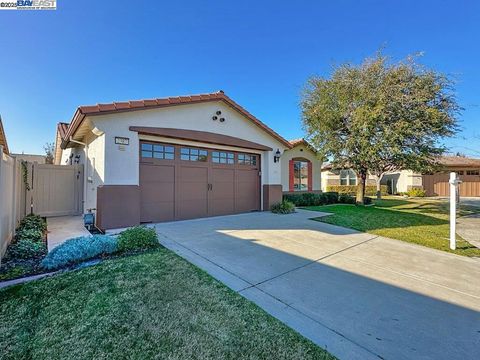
276,157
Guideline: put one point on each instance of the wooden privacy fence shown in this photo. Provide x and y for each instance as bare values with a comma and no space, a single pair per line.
42,189
55,190
12,198
437,185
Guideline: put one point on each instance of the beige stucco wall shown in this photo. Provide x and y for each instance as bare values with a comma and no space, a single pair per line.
301,151
403,180
94,169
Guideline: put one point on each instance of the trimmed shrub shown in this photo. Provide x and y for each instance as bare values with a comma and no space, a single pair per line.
331,197
346,199
26,250
79,249
296,199
416,192
370,190
137,238
285,207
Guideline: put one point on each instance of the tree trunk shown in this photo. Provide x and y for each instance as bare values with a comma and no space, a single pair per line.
361,189
378,179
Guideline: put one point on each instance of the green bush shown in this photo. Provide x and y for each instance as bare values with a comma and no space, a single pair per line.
285,207
312,199
331,197
346,199
370,190
29,234
416,192
26,250
137,238
79,249
33,222
32,227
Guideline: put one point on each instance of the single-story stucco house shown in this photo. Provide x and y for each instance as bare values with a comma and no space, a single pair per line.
181,158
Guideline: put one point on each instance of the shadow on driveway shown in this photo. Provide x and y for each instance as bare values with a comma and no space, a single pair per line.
355,294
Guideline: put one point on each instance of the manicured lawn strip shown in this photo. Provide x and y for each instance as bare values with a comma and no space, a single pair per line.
153,305
423,222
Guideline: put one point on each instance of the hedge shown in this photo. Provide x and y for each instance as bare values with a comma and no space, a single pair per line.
312,199
370,190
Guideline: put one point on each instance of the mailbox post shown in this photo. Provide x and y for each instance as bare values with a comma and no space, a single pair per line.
454,183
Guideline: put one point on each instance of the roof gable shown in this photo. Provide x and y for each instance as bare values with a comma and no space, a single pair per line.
116,107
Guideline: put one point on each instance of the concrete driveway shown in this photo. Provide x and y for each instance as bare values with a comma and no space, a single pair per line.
358,295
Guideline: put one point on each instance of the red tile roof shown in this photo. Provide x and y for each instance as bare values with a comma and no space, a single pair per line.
101,109
449,160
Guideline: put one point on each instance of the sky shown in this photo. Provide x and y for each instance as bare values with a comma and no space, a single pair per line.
259,52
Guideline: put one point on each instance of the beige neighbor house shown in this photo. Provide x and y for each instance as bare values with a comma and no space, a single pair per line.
402,181
180,158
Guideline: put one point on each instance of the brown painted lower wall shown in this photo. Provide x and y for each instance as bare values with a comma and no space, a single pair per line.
118,206
272,194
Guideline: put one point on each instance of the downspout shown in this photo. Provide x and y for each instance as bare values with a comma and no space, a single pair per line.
85,171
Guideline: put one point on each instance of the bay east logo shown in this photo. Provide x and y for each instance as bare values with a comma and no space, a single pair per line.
29,5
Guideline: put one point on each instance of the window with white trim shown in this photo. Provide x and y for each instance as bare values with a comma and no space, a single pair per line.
348,177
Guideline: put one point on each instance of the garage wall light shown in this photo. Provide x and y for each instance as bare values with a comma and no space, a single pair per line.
276,157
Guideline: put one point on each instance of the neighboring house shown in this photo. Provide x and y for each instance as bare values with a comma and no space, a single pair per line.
3,138
180,158
344,177
402,181
437,184
40,159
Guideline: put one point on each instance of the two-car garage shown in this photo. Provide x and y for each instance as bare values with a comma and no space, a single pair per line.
180,182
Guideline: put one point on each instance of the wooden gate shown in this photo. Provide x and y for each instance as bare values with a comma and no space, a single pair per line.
437,185
55,190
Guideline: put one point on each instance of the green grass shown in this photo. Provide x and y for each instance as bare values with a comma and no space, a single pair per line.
153,305
419,221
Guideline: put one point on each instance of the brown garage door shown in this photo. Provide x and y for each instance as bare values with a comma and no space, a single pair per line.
437,185
182,182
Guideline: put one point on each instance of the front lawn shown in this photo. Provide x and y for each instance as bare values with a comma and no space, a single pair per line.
420,221
153,305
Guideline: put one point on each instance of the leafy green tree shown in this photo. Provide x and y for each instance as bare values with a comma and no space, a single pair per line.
380,116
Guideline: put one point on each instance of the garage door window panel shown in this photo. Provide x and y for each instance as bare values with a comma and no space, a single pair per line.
247,159
157,151
192,154
220,157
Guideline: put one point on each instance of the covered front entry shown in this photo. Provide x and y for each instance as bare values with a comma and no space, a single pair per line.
183,182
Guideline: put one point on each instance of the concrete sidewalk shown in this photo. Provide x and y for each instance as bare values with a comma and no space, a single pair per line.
62,228
357,295
468,227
